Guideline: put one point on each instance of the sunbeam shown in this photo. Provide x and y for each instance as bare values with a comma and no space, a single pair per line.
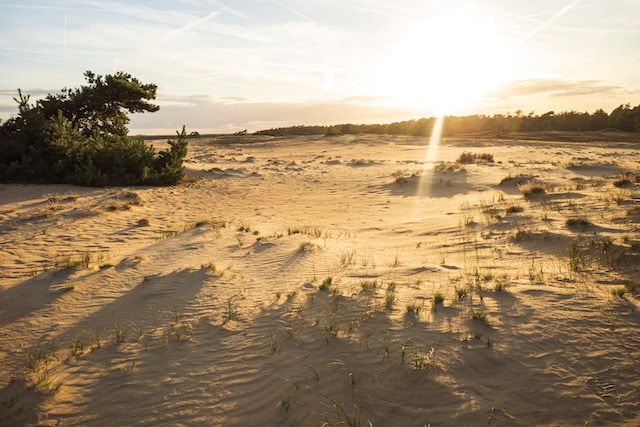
424,186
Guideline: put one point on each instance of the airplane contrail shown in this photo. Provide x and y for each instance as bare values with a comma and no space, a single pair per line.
555,16
194,24
284,6
64,34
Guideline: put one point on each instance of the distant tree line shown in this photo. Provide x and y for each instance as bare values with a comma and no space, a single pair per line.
79,136
624,118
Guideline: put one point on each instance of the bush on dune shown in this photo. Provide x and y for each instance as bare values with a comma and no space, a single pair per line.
80,137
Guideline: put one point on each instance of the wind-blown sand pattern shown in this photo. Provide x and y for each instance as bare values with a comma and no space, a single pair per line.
293,281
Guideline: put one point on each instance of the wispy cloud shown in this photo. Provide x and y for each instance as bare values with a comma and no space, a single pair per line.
557,88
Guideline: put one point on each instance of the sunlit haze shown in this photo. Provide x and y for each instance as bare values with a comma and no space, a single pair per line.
224,66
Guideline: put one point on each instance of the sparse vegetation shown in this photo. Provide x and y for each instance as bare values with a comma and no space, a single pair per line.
69,262
438,298
269,316
466,158
480,315
514,209
413,308
579,223
532,188
326,284
501,286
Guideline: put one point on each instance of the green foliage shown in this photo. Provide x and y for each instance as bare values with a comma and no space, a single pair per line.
623,118
80,137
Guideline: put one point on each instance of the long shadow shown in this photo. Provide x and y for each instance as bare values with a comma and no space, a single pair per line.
21,193
305,347
19,403
32,294
159,293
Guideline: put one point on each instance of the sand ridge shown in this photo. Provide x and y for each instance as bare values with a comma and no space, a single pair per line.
293,281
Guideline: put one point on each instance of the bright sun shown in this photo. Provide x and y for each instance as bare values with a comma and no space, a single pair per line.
445,63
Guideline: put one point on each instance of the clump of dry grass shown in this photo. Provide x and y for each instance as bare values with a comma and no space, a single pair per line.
517,180
514,209
532,188
448,167
626,180
69,262
578,223
468,158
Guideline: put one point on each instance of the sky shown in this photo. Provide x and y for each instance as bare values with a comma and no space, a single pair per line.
228,65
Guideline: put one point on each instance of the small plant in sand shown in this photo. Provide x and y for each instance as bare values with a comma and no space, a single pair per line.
347,258
314,232
286,403
211,267
333,324
230,312
326,284
575,257
500,286
532,188
461,293
390,296
423,359
467,158
413,308
480,315
346,418
308,246
41,355
626,180
244,227
618,292
622,183
43,382
389,300
438,298
369,285
578,223
73,262
119,333
514,209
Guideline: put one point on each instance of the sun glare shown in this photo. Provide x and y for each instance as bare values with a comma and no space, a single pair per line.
445,63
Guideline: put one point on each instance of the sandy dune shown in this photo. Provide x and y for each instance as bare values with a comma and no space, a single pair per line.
293,281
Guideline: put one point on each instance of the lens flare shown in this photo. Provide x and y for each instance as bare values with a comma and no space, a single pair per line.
424,186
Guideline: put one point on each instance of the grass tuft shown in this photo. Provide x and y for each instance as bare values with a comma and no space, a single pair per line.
578,223
531,188
438,298
468,158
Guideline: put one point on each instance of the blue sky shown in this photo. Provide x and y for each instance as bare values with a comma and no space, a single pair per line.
228,65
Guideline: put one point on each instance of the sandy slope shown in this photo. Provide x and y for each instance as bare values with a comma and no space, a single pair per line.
291,282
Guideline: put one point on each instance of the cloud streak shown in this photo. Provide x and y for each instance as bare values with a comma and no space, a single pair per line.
553,18
558,88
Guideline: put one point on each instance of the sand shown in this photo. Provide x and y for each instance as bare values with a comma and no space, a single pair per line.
293,281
